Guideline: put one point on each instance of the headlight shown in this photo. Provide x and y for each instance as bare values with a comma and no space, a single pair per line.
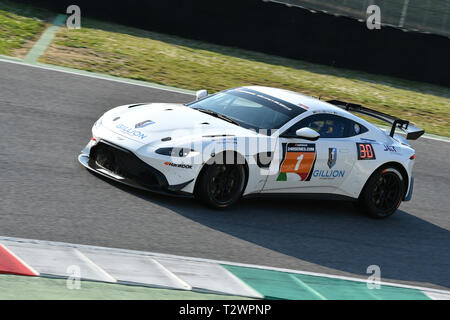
174,152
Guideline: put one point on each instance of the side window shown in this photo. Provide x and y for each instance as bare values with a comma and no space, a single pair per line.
329,126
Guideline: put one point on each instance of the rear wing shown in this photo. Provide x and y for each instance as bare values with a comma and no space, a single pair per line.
412,132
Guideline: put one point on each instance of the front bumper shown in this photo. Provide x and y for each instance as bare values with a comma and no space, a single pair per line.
121,165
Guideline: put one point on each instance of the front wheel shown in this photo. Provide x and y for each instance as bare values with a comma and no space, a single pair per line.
382,193
221,185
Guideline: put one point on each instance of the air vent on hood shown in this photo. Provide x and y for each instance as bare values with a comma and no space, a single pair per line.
219,135
136,105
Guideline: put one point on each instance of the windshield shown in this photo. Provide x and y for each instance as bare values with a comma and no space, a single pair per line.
250,109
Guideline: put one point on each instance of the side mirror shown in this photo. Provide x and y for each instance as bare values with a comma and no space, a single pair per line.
201,94
308,134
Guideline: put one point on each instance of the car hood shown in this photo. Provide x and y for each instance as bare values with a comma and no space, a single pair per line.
149,123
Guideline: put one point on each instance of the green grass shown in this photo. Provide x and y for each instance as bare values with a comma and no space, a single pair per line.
37,288
20,25
173,61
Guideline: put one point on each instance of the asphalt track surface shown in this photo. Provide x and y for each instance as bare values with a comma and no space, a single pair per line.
45,120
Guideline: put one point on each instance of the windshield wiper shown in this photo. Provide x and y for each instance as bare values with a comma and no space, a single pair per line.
218,115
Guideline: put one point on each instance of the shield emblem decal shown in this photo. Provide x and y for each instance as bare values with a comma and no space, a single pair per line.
332,157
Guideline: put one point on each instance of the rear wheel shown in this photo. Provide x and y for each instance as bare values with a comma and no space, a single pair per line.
382,193
221,185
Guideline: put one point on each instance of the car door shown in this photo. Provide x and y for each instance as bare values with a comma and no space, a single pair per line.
314,166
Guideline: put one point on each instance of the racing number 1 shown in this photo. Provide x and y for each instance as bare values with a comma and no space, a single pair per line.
299,160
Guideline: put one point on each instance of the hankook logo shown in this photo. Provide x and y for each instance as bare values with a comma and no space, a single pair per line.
178,165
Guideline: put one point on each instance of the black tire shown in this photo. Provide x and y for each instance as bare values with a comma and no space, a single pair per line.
220,185
382,193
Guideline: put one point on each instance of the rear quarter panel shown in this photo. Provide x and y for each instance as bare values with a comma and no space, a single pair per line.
387,151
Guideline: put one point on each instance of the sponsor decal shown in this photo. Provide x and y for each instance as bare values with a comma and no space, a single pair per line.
332,157
144,123
130,131
178,165
303,106
329,174
299,159
365,151
324,111
389,148
266,97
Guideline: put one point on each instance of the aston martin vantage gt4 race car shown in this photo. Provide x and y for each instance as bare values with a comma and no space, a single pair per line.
253,141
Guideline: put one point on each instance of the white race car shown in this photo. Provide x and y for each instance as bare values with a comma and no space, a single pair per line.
255,141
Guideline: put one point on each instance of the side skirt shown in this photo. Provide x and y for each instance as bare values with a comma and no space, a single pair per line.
304,196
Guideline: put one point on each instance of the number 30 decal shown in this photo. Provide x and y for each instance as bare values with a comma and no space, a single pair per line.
365,151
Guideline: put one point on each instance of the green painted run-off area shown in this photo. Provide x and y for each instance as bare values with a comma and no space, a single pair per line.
293,286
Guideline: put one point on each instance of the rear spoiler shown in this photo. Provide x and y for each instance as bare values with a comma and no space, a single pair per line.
412,132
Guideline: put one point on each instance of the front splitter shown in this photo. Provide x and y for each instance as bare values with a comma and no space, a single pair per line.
173,190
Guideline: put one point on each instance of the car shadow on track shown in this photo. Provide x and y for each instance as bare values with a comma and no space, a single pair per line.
331,234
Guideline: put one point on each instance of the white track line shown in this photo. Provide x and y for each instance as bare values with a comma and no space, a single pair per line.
308,288
95,266
242,283
99,76
437,296
171,275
